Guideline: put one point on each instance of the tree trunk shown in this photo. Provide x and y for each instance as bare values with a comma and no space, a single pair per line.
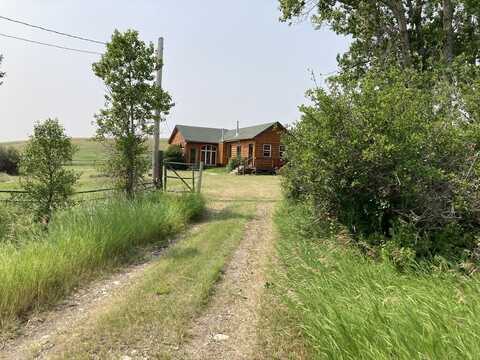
131,156
448,30
396,6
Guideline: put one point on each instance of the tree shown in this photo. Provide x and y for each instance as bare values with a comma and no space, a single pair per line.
127,69
44,176
391,160
9,160
174,153
2,74
408,33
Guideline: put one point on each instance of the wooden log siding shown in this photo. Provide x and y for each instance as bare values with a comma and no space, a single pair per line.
272,137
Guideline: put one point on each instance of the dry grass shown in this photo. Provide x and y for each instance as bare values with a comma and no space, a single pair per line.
222,187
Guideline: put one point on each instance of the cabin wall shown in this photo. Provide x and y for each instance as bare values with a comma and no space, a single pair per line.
273,137
198,151
222,154
244,148
178,139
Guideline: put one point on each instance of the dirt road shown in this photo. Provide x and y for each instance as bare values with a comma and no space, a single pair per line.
225,328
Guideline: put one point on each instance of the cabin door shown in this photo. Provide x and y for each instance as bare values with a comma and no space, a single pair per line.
250,154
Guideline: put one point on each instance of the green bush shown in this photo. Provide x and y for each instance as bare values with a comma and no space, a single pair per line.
174,153
82,242
9,160
393,155
47,182
233,163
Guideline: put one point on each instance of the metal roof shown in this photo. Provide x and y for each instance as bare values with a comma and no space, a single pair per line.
247,132
200,134
214,135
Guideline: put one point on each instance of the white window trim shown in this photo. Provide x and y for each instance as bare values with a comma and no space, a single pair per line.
267,148
208,149
281,150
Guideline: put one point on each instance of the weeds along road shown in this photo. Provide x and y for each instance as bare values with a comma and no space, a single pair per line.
197,299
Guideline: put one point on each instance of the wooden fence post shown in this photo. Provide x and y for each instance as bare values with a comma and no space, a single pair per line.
199,185
159,179
164,169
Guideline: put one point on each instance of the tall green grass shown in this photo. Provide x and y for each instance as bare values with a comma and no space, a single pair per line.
350,307
82,242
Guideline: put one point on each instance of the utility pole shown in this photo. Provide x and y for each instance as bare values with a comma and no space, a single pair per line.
156,129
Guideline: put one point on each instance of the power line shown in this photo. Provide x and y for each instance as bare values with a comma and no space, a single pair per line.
53,31
51,45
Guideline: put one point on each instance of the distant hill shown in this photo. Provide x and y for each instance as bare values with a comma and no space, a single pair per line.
88,149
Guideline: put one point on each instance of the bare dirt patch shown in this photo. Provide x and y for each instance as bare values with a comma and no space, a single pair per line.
228,327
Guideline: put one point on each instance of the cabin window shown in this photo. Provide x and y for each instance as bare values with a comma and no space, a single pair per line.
229,151
282,151
239,151
267,150
209,154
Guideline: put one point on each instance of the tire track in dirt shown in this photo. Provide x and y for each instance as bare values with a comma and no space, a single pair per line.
227,329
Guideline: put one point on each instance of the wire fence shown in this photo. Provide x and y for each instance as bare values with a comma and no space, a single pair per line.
78,197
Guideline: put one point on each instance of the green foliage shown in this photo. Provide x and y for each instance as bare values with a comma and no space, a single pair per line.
131,101
174,153
44,176
406,33
233,163
83,242
9,160
15,223
392,151
347,306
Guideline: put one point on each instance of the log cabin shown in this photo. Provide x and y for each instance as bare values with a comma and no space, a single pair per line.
260,146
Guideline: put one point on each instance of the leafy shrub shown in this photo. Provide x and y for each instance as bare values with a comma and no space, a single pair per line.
394,155
174,153
48,183
233,163
9,160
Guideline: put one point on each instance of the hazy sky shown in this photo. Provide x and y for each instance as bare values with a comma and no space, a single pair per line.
225,60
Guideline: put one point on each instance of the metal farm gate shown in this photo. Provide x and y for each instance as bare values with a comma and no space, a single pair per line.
182,177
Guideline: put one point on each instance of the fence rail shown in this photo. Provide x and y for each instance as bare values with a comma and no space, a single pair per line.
77,196
187,177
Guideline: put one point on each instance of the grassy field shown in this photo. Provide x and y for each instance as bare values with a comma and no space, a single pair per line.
338,304
87,149
80,244
86,162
